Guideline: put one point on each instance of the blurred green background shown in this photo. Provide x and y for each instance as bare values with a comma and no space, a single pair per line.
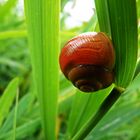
123,121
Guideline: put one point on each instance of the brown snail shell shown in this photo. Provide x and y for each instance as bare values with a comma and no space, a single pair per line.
88,60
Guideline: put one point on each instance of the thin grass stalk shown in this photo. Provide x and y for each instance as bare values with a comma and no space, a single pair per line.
42,18
104,108
15,116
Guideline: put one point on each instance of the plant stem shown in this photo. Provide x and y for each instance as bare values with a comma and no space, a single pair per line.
104,108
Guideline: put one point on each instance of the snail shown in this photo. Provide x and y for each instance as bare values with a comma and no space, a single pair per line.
87,60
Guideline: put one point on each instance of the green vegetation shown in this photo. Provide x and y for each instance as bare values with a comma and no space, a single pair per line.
37,102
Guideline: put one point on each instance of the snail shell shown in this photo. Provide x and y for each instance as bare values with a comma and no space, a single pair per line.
88,60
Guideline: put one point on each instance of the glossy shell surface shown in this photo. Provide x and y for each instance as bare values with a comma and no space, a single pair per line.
88,48
93,51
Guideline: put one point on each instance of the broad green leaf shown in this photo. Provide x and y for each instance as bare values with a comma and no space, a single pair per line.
6,101
122,18
115,119
84,106
42,19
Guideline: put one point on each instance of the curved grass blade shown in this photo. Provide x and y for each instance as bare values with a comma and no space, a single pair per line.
23,131
122,18
123,21
95,118
86,104
15,116
137,71
115,119
7,99
23,106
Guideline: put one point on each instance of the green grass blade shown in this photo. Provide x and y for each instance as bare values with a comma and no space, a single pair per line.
23,106
103,16
122,19
134,85
137,71
15,116
123,23
13,34
115,119
30,113
43,27
22,131
7,99
95,118
106,105
86,104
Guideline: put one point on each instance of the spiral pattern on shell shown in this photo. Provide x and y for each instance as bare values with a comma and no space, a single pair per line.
88,60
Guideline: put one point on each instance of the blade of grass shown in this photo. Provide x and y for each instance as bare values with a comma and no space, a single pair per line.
27,128
123,21
129,109
7,99
86,104
13,34
104,108
122,18
137,71
43,27
15,116
115,119
103,16
23,106
94,119
134,85
22,131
